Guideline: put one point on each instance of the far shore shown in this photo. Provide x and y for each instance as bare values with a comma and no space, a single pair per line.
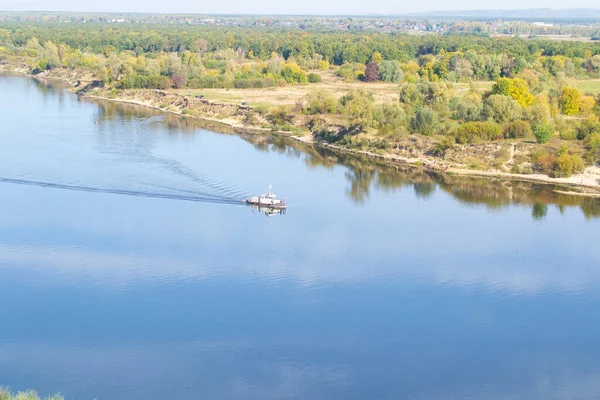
584,184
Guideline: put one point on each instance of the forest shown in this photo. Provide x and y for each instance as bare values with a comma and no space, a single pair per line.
460,88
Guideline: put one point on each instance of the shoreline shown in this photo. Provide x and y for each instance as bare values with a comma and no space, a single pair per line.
426,163
429,163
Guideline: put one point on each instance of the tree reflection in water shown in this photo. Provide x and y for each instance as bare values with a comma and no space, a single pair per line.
365,174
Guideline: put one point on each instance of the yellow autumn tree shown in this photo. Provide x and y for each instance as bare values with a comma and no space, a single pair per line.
377,57
516,88
587,105
569,101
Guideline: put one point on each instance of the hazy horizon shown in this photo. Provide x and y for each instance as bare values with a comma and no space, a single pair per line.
292,7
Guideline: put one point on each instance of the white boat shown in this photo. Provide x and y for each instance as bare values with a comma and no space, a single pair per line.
268,200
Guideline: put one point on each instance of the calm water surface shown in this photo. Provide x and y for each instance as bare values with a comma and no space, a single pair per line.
129,268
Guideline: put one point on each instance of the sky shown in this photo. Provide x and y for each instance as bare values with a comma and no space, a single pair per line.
338,7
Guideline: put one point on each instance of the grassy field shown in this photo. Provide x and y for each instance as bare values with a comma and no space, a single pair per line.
589,86
290,95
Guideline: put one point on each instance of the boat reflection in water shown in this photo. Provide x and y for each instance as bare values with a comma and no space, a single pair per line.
268,211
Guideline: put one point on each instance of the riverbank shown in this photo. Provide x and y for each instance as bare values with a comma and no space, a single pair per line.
467,160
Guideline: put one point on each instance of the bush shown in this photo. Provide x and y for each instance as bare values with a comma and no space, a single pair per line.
445,143
589,126
569,134
568,164
40,66
346,72
543,162
321,102
517,130
543,132
292,73
473,132
566,131
314,78
280,117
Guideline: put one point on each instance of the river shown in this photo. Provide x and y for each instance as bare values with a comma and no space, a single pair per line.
129,267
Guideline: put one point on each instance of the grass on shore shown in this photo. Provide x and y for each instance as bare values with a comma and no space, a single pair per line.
6,394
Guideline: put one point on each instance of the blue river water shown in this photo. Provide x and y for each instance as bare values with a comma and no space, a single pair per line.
129,268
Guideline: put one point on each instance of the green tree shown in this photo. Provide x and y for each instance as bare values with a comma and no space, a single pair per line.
50,53
592,143
463,68
467,108
359,108
425,121
389,118
33,47
543,132
501,108
390,71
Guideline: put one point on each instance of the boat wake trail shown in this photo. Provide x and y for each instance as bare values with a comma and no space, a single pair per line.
197,197
177,168
196,177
